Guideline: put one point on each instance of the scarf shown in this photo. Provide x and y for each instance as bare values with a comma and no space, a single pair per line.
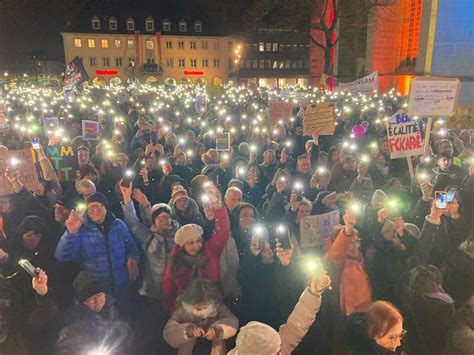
196,263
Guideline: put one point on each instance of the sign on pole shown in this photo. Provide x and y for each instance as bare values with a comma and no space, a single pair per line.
64,161
25,167
313,229
433,97
404,137
90,129
319,118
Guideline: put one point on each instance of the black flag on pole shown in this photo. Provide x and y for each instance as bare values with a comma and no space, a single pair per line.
74,75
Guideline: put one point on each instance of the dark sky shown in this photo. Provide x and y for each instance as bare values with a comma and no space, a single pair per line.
32,27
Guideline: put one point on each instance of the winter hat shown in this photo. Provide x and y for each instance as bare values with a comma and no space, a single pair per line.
443,181
187,233
413,230
99,197
158,208
70,200
87,169
257,339
31,224
388,226
443,155
86,285
177,193
379,199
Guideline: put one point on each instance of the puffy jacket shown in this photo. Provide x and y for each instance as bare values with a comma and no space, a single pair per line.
176,281
103,255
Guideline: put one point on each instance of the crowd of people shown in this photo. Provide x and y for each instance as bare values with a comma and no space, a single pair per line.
164,242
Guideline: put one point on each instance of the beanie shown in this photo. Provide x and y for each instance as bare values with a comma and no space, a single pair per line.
257,339
70,200
379,199
31,224
413,230
159,208
186,233
86,285
178,192
99,197
86,169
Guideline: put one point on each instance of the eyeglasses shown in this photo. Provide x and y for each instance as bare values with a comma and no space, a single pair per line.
91,207
394,338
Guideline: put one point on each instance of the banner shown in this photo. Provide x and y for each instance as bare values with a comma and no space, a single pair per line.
90,129
365,85
223,142
279,110
433,97
50,124
74,75
26,169
64,161
319,118
315,228
404,137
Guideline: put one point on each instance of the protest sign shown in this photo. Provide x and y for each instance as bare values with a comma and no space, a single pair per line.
201,104
26,169
74,74
433,97
315,228
3,119
223,142
319,118
366,85
279,110
90,129
64,161
404,137
50,124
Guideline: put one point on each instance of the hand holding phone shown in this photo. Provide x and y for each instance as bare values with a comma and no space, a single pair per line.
35,143
28,267
441,200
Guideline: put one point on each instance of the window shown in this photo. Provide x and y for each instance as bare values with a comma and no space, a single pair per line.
204,44
118,61
181,44
217,45
205,63
287,64
217,63
275,64
268,47
261,47
247,63
150,44
105,61
131,62
93,61
198,26
149,24
261,64
255,64
268,64
118,43
300,64
104,43
169,62
166,25
130,24
95,23
182,26
169,45
181,62
294,64
112,24
275,47
91,43
150,60
193,63
130,43
77,42
192,44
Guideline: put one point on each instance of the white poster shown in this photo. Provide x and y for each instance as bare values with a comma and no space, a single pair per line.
365,85
313,229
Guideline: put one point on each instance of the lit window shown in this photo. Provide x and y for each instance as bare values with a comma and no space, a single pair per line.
169,44
198,26
181,62
118,61
268,47
77,42
204,44
118,43
182,26
130,24
93,61
181,44
130,43
217,63
112,24
275,47
104,43
205,63
192,44
193,62
95,23
105,61
150,24
261,47
166,26
275,64
150,44
169,62
91,43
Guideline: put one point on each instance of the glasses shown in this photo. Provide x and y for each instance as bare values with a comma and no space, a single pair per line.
394,338
91,207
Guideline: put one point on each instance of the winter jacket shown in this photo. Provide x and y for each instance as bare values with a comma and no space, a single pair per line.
157,249
230,264
174,282
105,254
461,338
192,215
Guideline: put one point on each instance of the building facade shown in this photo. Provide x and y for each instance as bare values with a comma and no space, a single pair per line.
119,50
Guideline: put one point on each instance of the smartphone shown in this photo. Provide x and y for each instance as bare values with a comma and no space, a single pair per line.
298,188
441,200
28,267
127,178
283,237
315,267
35,143
450,195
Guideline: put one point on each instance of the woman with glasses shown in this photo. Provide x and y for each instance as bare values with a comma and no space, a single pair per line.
377,332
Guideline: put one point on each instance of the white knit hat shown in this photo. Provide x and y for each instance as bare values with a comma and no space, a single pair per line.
186,233
257,339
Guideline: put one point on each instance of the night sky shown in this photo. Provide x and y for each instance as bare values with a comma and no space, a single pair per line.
32,27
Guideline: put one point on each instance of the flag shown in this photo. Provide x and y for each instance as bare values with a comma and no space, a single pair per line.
74,75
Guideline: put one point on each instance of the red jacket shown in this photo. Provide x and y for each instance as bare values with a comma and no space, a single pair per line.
174,283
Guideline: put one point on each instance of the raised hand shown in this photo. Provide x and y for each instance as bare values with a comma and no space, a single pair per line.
126,192
40,282
140,197
319,284
382,214
74,222
284,255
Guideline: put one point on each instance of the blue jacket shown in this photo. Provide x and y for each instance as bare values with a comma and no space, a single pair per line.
105,257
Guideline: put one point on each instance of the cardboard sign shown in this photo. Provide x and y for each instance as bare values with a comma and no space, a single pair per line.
90,129
366,85
64,161
315,228
433,97
26,169
201,104
319,118
223,142
50,124
279,110
404,137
